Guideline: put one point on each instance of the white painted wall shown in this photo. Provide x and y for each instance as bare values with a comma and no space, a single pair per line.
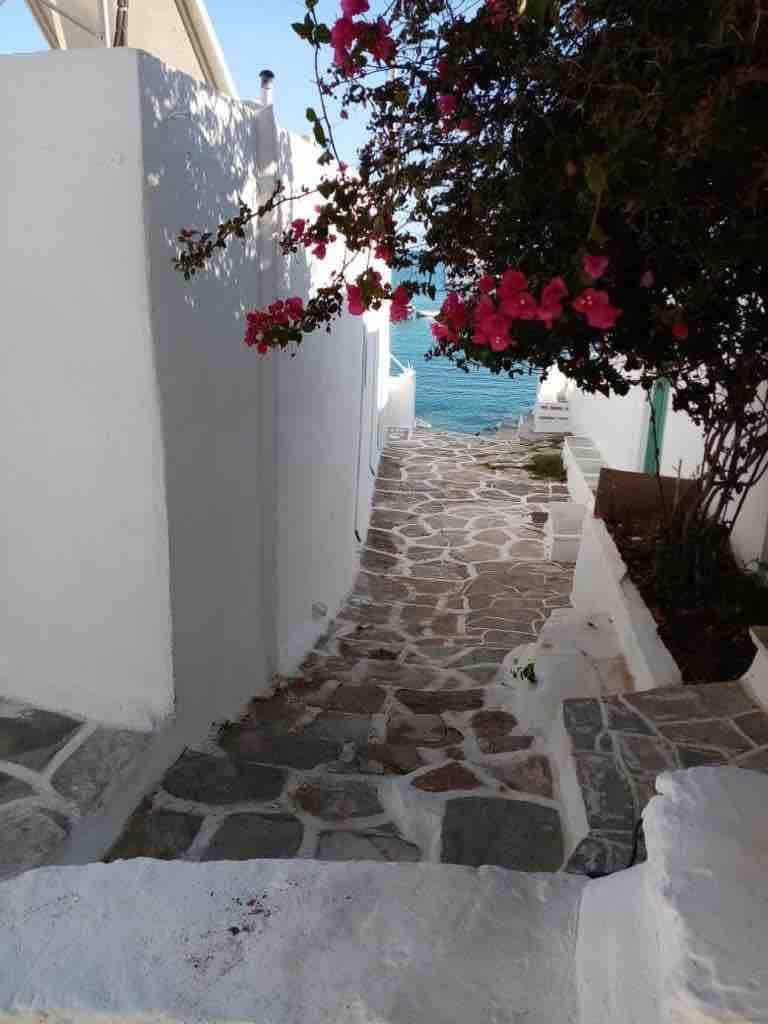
329,397
201,150
617,425
178,509
85,615
401,404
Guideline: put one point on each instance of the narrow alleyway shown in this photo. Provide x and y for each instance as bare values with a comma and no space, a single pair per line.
397,739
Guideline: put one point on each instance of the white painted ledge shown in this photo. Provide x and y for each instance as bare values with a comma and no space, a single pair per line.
682,939
709,885
288,942
756,678
602,584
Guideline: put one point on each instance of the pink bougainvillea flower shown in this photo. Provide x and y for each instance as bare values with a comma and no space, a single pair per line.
494,327
383,252
447,104
556,290
355,302
262,348
343,168
571,169
298,226
484,306
549,313
294,307
383,46
520,306
486,283
344,33
398,309
466,124
279,313
595,266
512,282
441,332
648,280
596,307
350,8
455,311
680,330
320,250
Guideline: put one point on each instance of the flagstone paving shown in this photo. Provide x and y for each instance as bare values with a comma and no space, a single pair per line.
396,740
54,769
621,743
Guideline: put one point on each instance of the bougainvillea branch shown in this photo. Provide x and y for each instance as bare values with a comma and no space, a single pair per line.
589,176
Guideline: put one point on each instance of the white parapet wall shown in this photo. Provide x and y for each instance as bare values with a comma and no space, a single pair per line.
401,403
602,584
682,939
679,939
288,941
180,515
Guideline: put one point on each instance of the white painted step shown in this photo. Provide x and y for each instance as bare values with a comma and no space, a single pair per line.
576,655
288,942
563,530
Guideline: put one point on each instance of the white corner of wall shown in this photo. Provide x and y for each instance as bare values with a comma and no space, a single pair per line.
756,677
601,584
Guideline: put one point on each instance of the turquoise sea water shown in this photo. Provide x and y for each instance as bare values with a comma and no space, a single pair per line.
449,399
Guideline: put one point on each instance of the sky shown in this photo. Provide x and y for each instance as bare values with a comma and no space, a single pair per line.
253,36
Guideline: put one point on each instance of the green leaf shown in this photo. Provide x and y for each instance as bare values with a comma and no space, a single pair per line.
319,133
310,114
301,30
322,34
310,4
596,175
597,234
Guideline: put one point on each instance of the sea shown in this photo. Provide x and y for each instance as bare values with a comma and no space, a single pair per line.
448,398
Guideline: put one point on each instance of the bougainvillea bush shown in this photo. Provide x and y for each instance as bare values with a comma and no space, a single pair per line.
593,178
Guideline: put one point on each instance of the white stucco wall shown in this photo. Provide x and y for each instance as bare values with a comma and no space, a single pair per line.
201,150
617,425
85,616
181,513
401,402
329,400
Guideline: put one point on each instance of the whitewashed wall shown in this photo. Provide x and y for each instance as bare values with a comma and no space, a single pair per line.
329,399
617,425
200,150
85,615
178,510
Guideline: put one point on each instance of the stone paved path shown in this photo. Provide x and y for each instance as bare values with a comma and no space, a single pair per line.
621,743
396,740
54,769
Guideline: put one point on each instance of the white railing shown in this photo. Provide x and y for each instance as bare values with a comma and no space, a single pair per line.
401,366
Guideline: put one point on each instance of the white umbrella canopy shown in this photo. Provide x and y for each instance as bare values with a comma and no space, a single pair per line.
179,32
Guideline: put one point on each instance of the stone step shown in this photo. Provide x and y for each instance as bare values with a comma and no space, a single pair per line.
54,770
610,751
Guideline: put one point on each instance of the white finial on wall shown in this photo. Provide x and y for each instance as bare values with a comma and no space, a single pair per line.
267,78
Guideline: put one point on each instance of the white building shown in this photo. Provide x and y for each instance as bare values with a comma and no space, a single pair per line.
616,433
181,515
